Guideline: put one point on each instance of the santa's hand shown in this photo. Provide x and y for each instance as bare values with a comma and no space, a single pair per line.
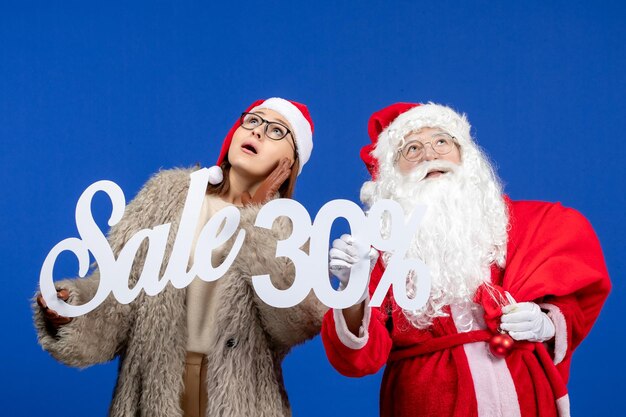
526,321
343,255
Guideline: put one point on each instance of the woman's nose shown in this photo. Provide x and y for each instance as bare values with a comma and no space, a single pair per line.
258,131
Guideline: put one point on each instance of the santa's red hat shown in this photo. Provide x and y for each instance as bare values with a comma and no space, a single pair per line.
296,114
388,127
377,123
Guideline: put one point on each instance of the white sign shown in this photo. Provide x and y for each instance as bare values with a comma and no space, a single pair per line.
311,269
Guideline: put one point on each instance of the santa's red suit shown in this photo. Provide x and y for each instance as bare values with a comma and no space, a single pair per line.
553,259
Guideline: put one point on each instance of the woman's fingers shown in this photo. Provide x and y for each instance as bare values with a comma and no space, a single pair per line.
281,173
278,172
271,184
49,314
60,321
41,302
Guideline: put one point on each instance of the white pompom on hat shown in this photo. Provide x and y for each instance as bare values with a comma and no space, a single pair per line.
216,175
295,113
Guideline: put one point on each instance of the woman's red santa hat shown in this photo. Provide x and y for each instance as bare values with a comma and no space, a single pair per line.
295,113
388,127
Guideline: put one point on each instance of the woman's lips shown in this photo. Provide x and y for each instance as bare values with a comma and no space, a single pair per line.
249,149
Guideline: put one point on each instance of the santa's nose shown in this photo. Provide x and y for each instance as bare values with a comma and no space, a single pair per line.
429,153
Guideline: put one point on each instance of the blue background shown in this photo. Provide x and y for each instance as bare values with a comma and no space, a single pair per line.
117,91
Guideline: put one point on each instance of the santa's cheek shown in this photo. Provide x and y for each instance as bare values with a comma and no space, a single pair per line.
405,167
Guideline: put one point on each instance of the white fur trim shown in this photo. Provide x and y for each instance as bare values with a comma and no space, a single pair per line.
302,129
493,383
346,336
562,406
560,326
367,192
216,176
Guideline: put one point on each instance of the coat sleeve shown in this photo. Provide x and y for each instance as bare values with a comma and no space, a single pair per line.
93,338
102,333
555,259
286,327
361,355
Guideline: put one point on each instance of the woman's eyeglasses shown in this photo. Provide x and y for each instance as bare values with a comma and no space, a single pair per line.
273,130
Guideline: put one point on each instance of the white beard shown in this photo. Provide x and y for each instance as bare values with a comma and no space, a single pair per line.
463,232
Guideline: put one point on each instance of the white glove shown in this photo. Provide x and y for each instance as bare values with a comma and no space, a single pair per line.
526,321
343,255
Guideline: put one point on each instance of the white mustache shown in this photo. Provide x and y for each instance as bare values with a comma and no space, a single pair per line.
422,169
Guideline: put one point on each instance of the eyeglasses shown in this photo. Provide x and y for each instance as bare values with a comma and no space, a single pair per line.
273,130
415,151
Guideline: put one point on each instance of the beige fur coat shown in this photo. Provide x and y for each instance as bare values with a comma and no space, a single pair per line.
150,333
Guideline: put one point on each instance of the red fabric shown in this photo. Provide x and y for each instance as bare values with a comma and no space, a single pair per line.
553,256
305,112
492,299
439,343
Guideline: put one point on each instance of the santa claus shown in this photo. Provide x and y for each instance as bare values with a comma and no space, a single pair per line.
515,285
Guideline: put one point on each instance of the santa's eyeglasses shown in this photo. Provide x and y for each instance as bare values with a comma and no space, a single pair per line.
415,151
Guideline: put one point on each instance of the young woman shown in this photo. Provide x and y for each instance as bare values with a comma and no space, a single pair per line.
213,348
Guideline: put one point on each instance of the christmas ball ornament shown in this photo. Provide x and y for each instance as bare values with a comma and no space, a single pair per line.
500,345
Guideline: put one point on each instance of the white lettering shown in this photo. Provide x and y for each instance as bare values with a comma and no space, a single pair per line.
311,270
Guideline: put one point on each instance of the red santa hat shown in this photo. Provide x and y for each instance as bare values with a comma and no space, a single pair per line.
388,127
296,114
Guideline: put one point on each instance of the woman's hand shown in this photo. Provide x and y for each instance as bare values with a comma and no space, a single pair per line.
269,187
51,316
